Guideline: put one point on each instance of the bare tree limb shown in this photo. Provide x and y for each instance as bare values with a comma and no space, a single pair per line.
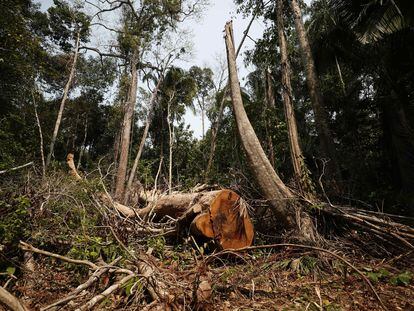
16,168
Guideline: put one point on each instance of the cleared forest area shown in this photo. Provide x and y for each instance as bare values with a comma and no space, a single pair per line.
297,195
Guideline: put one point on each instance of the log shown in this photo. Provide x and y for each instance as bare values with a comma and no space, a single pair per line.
221,215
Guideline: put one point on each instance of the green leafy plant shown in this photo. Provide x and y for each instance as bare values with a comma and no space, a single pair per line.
404,278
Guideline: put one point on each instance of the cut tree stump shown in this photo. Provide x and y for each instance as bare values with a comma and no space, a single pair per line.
221,215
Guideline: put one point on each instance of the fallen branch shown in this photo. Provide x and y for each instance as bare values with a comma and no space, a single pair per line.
111,289
245,249
94,277
10,301
29,248
16,168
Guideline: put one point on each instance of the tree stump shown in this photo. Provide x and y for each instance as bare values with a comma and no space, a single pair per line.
221,215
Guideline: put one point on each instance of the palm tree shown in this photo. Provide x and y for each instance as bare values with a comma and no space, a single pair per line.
373,19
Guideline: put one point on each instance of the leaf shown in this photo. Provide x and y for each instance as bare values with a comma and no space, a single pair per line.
373,276
11,270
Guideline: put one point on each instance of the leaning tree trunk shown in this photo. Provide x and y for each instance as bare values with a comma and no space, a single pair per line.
321,117
217,124
298,161
272,187
143,139
126,129
63,102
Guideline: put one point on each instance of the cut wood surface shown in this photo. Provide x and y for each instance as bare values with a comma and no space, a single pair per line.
221,215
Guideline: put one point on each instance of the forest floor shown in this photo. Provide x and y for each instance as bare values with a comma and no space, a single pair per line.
63,217
261,280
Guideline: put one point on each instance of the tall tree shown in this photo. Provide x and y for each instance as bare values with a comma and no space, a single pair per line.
146,23
302,178
273,188
67,24
321,116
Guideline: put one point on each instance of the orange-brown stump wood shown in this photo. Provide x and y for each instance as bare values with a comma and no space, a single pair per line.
220,215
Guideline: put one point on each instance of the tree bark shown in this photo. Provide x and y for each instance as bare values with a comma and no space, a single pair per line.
321,117
83,147
299,167
126,128
270,104
63,102
143,138
273,189
272,186
170,145
39,127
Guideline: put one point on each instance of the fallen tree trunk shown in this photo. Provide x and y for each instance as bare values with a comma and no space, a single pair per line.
221,215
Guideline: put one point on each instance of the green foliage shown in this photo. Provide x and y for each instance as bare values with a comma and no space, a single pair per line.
158,246
14,224
404,278
302,265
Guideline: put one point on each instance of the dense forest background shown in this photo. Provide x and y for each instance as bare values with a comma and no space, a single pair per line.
366,88
330,99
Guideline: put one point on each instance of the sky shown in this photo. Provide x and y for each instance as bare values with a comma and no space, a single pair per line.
208,42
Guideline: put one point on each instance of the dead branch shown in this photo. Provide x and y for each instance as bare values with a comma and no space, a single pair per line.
94,277
29,248
11,301
110,290
16,168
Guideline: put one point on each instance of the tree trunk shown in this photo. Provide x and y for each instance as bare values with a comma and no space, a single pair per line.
170,145
216,128
202,118
143,138
39,127
270,104
63,102
321,117
126,129
214,132
299,167
270,93
83,147
274,190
